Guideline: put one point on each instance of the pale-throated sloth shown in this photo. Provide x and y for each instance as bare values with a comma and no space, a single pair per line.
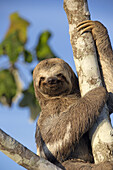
65,117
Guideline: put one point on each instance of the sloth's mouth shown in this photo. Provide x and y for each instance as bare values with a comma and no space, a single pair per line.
54,84
54,87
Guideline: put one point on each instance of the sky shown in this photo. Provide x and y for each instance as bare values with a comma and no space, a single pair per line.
43,15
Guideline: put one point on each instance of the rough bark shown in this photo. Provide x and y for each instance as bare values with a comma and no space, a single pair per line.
23,156
89,77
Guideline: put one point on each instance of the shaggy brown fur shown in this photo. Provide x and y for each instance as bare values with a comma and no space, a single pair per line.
80,165
62,127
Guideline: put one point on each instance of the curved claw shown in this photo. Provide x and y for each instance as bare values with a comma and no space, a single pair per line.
87,29
85,25
83,22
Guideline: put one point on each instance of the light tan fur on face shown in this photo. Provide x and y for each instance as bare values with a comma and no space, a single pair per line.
53,71
48,69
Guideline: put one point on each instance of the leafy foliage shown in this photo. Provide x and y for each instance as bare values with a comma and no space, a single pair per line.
43,50
14,42
8,87
18,24
27,56
29,100
14,47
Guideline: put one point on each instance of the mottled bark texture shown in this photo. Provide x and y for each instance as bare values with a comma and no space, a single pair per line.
85,58
23,156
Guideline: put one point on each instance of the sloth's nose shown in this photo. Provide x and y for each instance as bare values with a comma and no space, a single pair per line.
52,80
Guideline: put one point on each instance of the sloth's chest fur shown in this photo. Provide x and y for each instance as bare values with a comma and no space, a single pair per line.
51,142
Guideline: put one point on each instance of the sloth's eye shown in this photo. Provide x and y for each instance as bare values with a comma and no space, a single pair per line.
42,78
60,75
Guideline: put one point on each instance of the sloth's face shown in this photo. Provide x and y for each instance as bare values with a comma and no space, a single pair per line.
53,79
54,85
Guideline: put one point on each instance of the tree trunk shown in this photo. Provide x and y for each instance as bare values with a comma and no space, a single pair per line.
85,58
23,156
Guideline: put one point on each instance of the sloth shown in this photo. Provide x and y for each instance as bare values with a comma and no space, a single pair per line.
66,117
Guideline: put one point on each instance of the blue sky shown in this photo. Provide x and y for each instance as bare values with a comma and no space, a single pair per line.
43,15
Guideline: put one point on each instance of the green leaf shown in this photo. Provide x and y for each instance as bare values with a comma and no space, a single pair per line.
18,24
1,50
12,47
29,100
28,56
8,87
15,39
43,51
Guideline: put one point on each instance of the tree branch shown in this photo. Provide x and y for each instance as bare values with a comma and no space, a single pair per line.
23,156
89,76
